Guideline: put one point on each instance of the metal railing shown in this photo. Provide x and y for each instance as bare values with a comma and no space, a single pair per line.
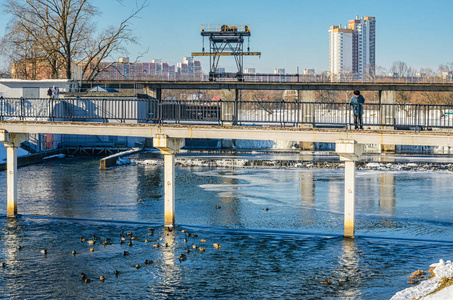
241,113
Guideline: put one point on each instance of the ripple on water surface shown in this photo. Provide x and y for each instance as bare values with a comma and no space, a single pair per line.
249,264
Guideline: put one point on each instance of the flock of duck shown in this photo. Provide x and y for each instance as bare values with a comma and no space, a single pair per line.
130,238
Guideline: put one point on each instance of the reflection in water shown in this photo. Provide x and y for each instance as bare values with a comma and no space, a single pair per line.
307,188
307,191
230,211
348,269
387,193
335,194
10,251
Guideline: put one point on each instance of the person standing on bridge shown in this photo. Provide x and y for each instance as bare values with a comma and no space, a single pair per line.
356,102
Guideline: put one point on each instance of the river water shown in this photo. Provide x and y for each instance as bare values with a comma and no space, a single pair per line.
403,223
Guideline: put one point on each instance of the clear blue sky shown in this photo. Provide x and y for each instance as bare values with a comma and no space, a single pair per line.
288,33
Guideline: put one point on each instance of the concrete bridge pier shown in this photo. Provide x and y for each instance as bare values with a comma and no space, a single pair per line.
169,147
11,142
387,99
307,115
349,152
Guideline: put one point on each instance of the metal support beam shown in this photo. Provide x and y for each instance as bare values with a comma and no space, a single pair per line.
349,152
11,141
236,107
169,147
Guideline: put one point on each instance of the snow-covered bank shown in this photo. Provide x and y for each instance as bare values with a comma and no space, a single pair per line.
432,287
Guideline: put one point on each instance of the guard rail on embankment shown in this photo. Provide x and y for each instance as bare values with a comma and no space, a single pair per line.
240,113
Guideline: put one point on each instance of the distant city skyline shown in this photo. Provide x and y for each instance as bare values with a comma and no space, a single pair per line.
290,35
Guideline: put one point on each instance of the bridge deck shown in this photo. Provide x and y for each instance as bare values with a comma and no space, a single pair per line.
302,86
419,138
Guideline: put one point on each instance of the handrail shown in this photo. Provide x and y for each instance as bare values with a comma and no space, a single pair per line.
240,113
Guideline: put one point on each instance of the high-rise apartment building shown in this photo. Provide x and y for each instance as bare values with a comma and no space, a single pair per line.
353,50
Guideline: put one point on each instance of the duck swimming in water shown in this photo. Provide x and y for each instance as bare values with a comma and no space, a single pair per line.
44,251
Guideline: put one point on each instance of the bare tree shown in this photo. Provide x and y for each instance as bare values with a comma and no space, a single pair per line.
110,40
401,70
64,31
21,51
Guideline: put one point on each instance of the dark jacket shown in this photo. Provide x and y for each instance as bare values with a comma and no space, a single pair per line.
356,102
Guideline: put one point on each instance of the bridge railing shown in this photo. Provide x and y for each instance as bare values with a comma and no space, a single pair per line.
241,113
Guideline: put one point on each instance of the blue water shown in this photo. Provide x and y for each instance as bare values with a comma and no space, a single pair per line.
403,220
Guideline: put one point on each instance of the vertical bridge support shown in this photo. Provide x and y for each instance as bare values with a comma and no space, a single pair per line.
11,142
349,152
169,147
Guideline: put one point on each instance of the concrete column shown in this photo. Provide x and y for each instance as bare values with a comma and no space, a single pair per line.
229,100
306,146
169,190
349,198
169,147
11,142
11,180
387,99
227,111
155,93
307,115
307,109
349,152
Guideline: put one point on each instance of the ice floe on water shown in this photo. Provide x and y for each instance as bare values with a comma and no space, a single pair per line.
435,286
123,161
263,163
55,156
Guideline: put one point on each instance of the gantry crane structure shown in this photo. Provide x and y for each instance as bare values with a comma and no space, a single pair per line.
226,40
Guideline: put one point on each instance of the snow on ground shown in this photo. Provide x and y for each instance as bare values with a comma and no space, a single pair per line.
442,270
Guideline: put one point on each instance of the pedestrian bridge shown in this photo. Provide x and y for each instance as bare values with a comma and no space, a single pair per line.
169,124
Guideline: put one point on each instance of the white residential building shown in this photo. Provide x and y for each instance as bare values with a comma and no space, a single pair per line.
341,65
353,50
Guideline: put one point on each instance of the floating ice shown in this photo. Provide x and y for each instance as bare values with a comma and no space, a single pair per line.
123,161
55,156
